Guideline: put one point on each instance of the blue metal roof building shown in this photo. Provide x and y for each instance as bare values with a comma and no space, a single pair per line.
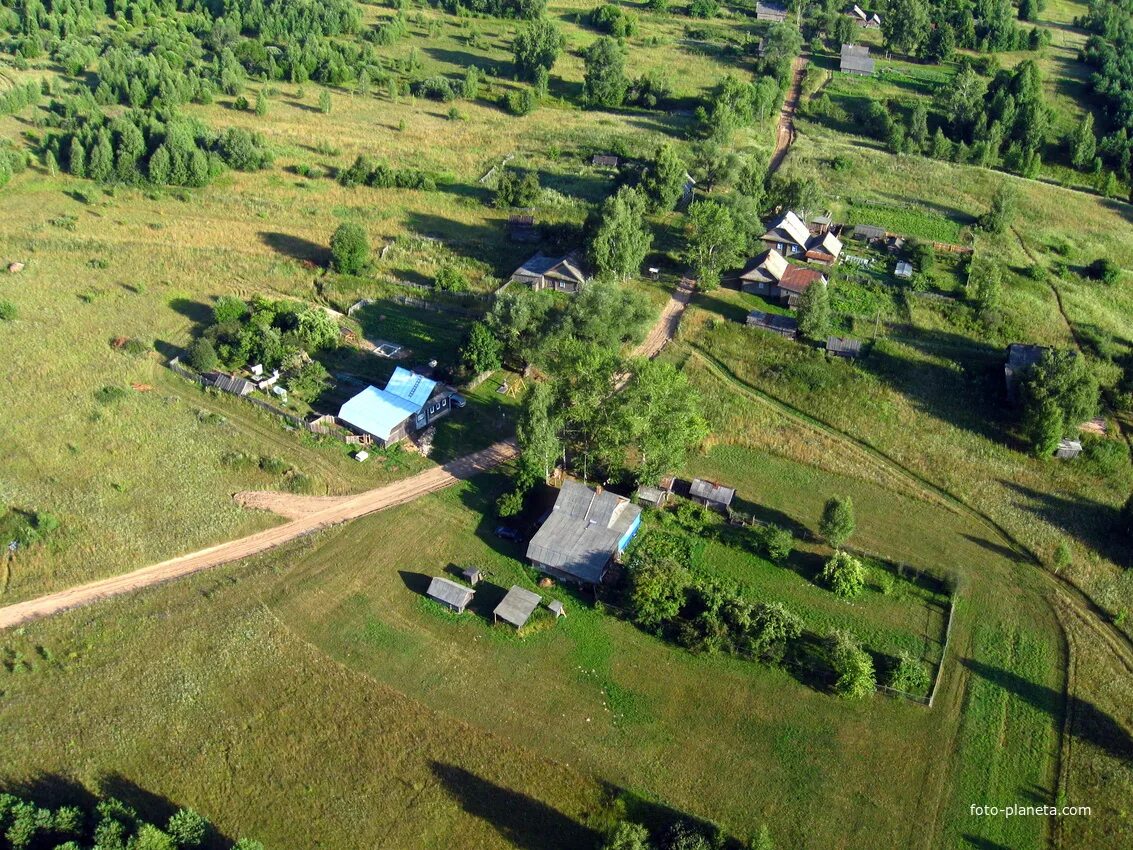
385,414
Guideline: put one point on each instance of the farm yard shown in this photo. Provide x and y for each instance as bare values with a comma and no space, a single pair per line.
420,195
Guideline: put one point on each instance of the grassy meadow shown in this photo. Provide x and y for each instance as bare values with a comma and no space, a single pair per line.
314,697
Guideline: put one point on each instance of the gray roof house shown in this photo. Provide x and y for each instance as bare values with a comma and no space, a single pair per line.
585,531
868,233
710,494
450,594
567,273
904,269
517,607
770,11
1020,358
856,60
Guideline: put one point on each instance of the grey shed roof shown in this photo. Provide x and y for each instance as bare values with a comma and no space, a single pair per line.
770,11
868,231
711,491
449,592
844,345
233,384
583,531
517,607
856,58
556,607
653,495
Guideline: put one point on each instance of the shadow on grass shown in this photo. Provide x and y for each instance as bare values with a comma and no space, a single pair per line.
1088,722
997,548
53,791
521,820
197,312
1085,519
296,247
984,843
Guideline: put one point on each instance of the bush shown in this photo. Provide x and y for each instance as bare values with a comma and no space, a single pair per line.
910,676
522,101
436,88
350,249
8,310
778,543
703,9
274,465
1104,457
110,394
852,666
837,523
202,356
845,575
451,279
1105,270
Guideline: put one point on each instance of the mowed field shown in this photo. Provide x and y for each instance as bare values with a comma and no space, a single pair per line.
378,703
313,697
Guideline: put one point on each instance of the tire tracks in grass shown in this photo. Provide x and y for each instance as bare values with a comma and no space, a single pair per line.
1119,644
1065,597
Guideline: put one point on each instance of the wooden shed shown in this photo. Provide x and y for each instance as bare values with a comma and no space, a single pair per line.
711,495
453,596
517,607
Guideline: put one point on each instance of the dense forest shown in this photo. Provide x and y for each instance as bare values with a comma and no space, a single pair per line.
1109,51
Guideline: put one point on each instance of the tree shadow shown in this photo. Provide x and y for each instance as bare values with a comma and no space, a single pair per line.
997,548
296,247
464,59
486,242
983,843
1080,517
1088,723
965,390
52,790
767,514
197,312
520,819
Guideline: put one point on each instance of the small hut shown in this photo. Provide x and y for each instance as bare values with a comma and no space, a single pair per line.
711,495
517,607
453,596
556,608
472,575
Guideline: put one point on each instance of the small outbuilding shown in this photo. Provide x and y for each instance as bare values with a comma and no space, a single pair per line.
904,270
844,346
604,160
770,11
453,596
521,228
556,608
1068,449
856,60
785,326
472,575
652,496
233,384
868,233
711,495
517,607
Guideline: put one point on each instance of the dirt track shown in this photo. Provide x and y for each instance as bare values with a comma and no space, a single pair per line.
310,514
666,326
786,132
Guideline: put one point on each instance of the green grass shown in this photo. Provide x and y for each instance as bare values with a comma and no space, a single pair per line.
909,220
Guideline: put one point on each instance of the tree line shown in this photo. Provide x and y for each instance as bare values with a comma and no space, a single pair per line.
109,824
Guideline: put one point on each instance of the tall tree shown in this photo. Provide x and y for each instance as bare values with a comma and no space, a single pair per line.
660,417
537,45
713,241
1058,394
905,25
1083,143
623,237
814,312
837,523
664,178
605,82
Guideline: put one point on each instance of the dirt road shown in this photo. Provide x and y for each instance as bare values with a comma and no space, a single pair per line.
666,326
311,514
786,133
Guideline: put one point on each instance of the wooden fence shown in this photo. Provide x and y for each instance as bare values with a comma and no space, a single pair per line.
319,425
